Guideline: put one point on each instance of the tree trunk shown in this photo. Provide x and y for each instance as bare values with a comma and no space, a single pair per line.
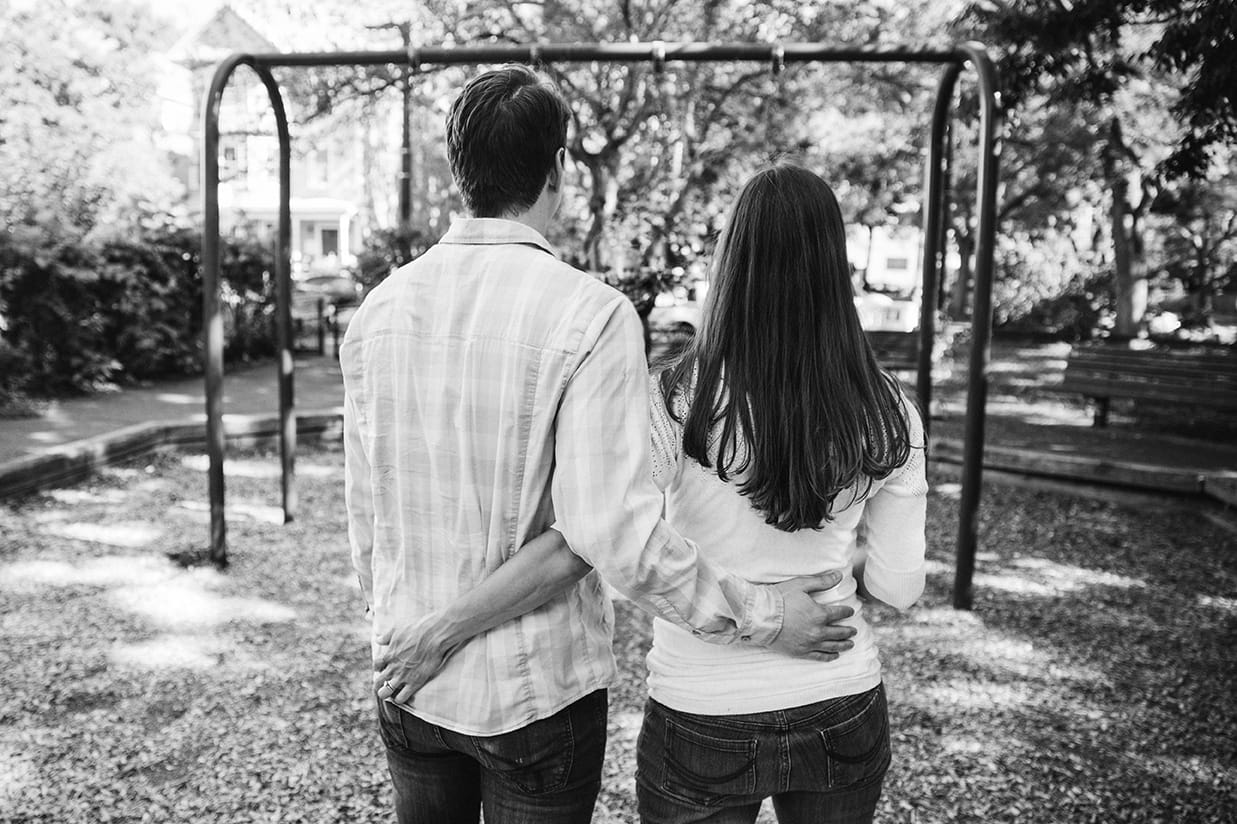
1129,266
602,203
961,288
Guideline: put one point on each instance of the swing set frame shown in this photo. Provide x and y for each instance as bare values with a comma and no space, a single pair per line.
936,207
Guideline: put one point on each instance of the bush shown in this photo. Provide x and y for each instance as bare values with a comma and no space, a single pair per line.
386,250
78,316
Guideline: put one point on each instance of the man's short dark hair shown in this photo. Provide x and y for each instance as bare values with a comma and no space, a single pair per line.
503,133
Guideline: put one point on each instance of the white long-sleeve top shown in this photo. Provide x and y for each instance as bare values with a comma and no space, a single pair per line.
689,674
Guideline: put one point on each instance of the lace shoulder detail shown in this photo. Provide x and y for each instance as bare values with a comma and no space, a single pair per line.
666,436
911,478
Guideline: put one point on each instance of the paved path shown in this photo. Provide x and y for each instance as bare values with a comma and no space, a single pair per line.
249,390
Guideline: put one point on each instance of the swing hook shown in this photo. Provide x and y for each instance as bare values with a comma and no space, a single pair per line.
414,59
777,59
659,58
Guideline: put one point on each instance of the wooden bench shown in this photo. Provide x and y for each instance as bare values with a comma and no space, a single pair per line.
895,350
1164,375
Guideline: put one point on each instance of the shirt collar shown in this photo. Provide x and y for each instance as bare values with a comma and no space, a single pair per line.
494,230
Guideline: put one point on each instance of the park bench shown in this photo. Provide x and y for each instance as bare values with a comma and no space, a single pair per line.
1206,378
895,350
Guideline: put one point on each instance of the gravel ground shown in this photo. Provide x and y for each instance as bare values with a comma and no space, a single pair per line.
1093,682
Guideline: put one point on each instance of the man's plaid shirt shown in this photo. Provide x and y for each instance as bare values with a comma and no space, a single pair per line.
491,390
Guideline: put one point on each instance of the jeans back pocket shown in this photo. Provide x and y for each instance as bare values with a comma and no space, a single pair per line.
703,769
857,748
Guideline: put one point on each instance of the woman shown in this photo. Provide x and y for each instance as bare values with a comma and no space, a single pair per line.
775,428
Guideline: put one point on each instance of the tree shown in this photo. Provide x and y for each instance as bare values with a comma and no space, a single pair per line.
77,85
1125,66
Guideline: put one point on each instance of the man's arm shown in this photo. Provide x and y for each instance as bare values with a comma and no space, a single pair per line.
544,567
359,499
411,656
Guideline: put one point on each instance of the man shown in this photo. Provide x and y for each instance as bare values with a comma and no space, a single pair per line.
491,390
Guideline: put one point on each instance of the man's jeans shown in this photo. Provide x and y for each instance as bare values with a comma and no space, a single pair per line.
821,763
548,772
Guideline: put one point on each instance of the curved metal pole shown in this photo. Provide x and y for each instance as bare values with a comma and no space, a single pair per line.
936,200
212,309
212,313
981,323
283,301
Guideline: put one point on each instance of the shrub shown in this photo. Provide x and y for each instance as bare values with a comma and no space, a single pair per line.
77,316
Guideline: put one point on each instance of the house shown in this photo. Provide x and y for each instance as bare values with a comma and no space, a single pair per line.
327,171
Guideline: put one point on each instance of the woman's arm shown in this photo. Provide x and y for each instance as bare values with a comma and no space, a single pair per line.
889,565
409,657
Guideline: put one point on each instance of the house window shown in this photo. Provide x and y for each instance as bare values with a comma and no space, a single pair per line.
330,242
230,166
319,168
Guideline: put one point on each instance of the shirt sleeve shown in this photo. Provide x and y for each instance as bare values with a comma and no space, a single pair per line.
609,509
358,497
894,526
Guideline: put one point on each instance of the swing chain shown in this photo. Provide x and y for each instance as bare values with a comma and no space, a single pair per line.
777,59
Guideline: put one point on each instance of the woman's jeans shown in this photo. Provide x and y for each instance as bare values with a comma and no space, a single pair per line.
548,772
822,763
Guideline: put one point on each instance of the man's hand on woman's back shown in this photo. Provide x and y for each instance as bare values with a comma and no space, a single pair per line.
811,629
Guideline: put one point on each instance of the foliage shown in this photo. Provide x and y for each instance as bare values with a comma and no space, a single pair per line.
1142,94
82,316
388,249
78,82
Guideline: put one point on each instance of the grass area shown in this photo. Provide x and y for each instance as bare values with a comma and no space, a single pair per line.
1093,682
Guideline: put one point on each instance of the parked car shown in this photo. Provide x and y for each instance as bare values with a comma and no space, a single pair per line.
340,290
322,305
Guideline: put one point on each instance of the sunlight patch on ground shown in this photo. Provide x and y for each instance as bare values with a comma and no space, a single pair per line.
1015,584
261,513
625,726
82,497
126,535
187,603
955,744
17,770
1001,650
948,489
178,397
1070,578
251,468
167,652
115,570
973,695
1218,602
310,470
1039,413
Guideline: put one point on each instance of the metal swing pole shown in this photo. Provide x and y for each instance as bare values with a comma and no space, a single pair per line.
212,308
981,324
936,209
628,53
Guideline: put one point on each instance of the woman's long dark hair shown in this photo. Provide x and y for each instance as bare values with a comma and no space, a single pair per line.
781,384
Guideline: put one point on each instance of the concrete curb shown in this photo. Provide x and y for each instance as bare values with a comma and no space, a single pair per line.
74,462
